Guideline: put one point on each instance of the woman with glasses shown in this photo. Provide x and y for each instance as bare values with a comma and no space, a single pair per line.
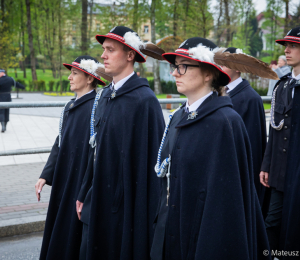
68,161
208,207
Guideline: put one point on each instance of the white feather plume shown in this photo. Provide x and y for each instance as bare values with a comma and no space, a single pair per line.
133,40
202,53
239,51
90,66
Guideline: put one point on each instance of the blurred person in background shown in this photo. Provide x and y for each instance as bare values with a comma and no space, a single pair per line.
5,88
281,69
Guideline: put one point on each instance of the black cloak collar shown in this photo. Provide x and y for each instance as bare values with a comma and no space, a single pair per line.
80,101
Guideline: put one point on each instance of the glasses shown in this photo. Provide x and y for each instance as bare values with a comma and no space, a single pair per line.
181,68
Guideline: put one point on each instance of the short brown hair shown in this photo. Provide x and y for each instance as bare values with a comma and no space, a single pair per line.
94,83
215,84
127,49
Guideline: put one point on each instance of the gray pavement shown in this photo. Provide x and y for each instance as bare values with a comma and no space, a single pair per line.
24,247
17,193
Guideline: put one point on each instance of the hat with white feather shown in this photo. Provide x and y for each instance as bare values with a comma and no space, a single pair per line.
201,50
90,66
126,36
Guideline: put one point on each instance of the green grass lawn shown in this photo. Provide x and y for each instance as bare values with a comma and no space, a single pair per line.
47,76
267,106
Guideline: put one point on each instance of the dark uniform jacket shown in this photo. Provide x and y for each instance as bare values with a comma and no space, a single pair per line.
120,206
275,158
290,234
250,107
64,171
6,83
213,211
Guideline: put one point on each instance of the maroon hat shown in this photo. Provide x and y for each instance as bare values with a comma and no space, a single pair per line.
201,50
90,66
126,36
292,36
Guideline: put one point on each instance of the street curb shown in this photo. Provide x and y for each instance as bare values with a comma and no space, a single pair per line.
21,226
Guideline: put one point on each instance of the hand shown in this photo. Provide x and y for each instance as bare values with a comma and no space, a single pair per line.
274,66
264,178
38,188
79,206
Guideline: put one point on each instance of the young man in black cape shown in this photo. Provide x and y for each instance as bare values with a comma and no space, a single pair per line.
118,210
5,88
250,107
281,164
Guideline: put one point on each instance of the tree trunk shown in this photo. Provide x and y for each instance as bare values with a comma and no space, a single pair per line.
227,17
60,47
30,40
187,6
286,21
91,18
84,29
135,16
23,41
219,30
175,18
156,79
2,10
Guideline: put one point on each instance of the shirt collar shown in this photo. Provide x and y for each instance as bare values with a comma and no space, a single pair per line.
233,84
294,77
196,104
84,94
120,83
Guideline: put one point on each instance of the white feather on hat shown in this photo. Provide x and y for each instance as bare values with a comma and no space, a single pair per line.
90,66
203,53
133,40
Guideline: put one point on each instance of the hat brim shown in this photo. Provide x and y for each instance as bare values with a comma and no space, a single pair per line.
282,41
224,78
153,51
138,58
69,66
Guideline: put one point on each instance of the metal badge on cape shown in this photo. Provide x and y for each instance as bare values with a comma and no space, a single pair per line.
192,115
113,94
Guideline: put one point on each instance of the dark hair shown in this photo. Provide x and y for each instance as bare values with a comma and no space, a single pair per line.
94,83
127,49
215,84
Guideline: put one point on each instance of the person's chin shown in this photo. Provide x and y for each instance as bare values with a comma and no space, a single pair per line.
180,88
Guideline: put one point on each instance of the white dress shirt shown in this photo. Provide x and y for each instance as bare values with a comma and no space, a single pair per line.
120,83
196,104
297,78
233,84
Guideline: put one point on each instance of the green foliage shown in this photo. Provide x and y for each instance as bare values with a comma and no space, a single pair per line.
261,91
168,87
51,85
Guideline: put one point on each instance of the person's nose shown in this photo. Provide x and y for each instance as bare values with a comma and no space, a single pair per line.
287,49
104,56
175,73
70,77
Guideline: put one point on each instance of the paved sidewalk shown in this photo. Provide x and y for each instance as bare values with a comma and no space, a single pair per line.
17,192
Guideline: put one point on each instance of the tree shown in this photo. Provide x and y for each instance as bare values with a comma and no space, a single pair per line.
30,38
8,53
157,85
84,28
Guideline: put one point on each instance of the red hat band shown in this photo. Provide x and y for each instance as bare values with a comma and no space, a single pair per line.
292,38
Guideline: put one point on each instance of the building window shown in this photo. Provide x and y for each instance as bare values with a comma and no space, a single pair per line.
146,29
98,26
74,27
73,42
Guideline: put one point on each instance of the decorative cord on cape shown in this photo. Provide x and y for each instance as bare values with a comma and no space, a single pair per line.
276,127
92,141
61,119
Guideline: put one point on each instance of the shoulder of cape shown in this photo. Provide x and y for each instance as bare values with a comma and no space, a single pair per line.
285,76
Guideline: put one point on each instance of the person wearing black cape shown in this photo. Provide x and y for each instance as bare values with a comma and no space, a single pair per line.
67,163
281,164
250,107
119,208
5,88
208,207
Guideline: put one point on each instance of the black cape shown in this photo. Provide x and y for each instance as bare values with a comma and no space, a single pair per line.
125,191
250,107
213,210
6,83
65,170
290,236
